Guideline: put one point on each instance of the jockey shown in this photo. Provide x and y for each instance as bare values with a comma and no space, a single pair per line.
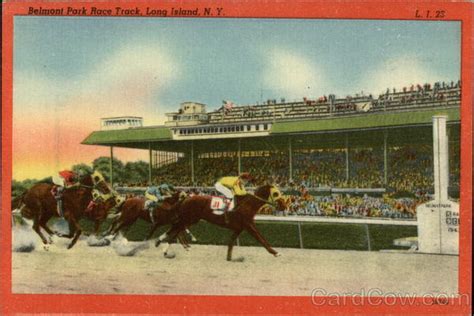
65,179
233,186
154,195
102,192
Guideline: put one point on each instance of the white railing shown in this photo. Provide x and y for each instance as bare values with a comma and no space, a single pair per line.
335,220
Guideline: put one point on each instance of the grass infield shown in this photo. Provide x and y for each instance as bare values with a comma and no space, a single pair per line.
315,235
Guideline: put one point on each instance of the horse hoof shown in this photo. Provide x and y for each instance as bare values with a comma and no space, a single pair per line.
277,254
239,259
157,243
169,255
194,239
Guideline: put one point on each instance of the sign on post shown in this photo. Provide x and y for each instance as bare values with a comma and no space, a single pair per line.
438,220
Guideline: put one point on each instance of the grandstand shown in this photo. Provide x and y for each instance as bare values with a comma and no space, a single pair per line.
356,142
354,156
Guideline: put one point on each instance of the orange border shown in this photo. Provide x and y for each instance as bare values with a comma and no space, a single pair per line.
25,303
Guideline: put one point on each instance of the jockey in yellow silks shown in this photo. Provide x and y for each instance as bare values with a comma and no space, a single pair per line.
232,186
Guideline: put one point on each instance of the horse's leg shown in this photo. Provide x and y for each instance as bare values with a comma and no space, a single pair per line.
231,243
193,239
111,227
171,234
37,229
78,232
43,224
256,234
183,241
167,238
97,224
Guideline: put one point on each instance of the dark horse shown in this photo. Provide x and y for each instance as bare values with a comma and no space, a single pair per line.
196,208
38,204
134,208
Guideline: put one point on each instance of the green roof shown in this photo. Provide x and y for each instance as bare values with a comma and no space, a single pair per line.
160,136
148,134
365,121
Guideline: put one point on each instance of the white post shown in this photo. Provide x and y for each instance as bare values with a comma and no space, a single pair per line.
290,158
347,157
239,157
438,219
440,158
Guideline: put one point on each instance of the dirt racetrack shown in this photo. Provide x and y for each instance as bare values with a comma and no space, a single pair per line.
204,270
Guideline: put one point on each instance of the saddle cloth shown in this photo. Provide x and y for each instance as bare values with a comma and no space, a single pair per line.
219,204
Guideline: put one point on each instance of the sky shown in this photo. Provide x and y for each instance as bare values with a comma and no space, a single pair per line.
69,72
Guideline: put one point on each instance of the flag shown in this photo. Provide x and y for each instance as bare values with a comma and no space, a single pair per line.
228,105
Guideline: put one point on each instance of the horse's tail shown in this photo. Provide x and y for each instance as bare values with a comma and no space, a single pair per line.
17,204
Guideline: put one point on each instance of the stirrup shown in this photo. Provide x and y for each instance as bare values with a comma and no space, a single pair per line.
60,211
152,218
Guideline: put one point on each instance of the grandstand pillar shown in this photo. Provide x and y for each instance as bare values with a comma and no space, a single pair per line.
192,162
150,152
290,158
111,169
347,157
385,161
239,154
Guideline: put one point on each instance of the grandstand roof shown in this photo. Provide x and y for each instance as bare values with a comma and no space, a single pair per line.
364,121
323,130
129,135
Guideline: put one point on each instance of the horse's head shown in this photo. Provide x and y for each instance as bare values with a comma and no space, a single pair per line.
176,196
85,179
181,195
98,182
272,195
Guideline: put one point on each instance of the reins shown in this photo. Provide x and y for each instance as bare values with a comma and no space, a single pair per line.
263,200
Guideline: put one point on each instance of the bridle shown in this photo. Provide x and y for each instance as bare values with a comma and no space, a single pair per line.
271,202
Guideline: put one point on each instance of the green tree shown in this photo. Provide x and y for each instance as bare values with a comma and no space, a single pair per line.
102,164
136,171
18,187
82,168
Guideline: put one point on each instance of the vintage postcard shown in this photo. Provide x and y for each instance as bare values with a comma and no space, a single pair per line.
236,157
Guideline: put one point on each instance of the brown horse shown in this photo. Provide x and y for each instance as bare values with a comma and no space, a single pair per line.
134,208
38,204
195,208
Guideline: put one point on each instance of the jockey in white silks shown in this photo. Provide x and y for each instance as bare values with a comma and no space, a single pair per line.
65,179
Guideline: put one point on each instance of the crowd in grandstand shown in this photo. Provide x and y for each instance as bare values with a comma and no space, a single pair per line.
410,178
409,169
419,95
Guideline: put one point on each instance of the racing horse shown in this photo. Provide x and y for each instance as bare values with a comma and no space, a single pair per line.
38,204
134,208
195,208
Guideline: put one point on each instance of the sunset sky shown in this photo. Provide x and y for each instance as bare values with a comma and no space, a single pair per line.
70,72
